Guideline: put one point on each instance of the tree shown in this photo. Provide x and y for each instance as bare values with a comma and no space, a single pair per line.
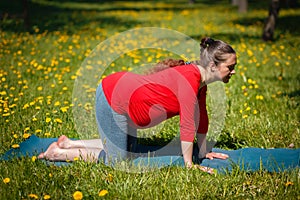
270,23
25,14
235,2
242,5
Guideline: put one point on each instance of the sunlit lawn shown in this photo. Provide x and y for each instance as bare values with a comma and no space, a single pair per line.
39,68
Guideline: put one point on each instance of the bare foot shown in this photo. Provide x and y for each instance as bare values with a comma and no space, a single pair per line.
53,153
64,142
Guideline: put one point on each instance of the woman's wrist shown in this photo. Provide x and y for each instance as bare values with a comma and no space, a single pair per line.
189,164
202,155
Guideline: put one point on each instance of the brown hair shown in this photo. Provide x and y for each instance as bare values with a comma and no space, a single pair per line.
210,51
162,65
214,51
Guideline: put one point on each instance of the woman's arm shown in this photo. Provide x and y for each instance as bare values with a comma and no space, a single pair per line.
187,152
201,141
204,153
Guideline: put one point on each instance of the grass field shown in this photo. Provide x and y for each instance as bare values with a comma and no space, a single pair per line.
39,67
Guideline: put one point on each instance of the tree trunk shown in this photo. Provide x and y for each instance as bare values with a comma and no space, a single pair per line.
25,14
269,27
235,2
243,6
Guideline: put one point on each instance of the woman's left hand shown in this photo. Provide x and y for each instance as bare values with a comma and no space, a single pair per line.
213,155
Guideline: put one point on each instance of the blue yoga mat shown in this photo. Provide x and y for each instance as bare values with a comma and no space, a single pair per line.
248,159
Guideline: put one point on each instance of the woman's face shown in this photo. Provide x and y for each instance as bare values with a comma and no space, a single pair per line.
226,69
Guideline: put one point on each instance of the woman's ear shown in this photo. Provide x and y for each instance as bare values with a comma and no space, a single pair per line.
212,66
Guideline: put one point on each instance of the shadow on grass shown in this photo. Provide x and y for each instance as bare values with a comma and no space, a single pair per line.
52,18
284,23
72,15
294,94
225,141
232,37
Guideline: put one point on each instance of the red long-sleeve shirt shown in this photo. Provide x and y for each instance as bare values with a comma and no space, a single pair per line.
151,99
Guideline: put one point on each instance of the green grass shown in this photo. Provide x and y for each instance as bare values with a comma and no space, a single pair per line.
39,66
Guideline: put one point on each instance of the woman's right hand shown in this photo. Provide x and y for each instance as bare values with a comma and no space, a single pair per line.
202,168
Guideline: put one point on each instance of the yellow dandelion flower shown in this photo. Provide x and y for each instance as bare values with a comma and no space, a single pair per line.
15,146
33,158
47,134
58,120
57,103
26,135
64,109
34,196
48,119
109,178
65,88
34,119
77,195
15,136
75,159
249,52
6,180
26,106
245,116
89,67
259,97
46,196
248,108
6,114
254,112
40,88
50,175
38,131
3,93
103,193
289,183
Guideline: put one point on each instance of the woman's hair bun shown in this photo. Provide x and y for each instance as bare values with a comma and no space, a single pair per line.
207,41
